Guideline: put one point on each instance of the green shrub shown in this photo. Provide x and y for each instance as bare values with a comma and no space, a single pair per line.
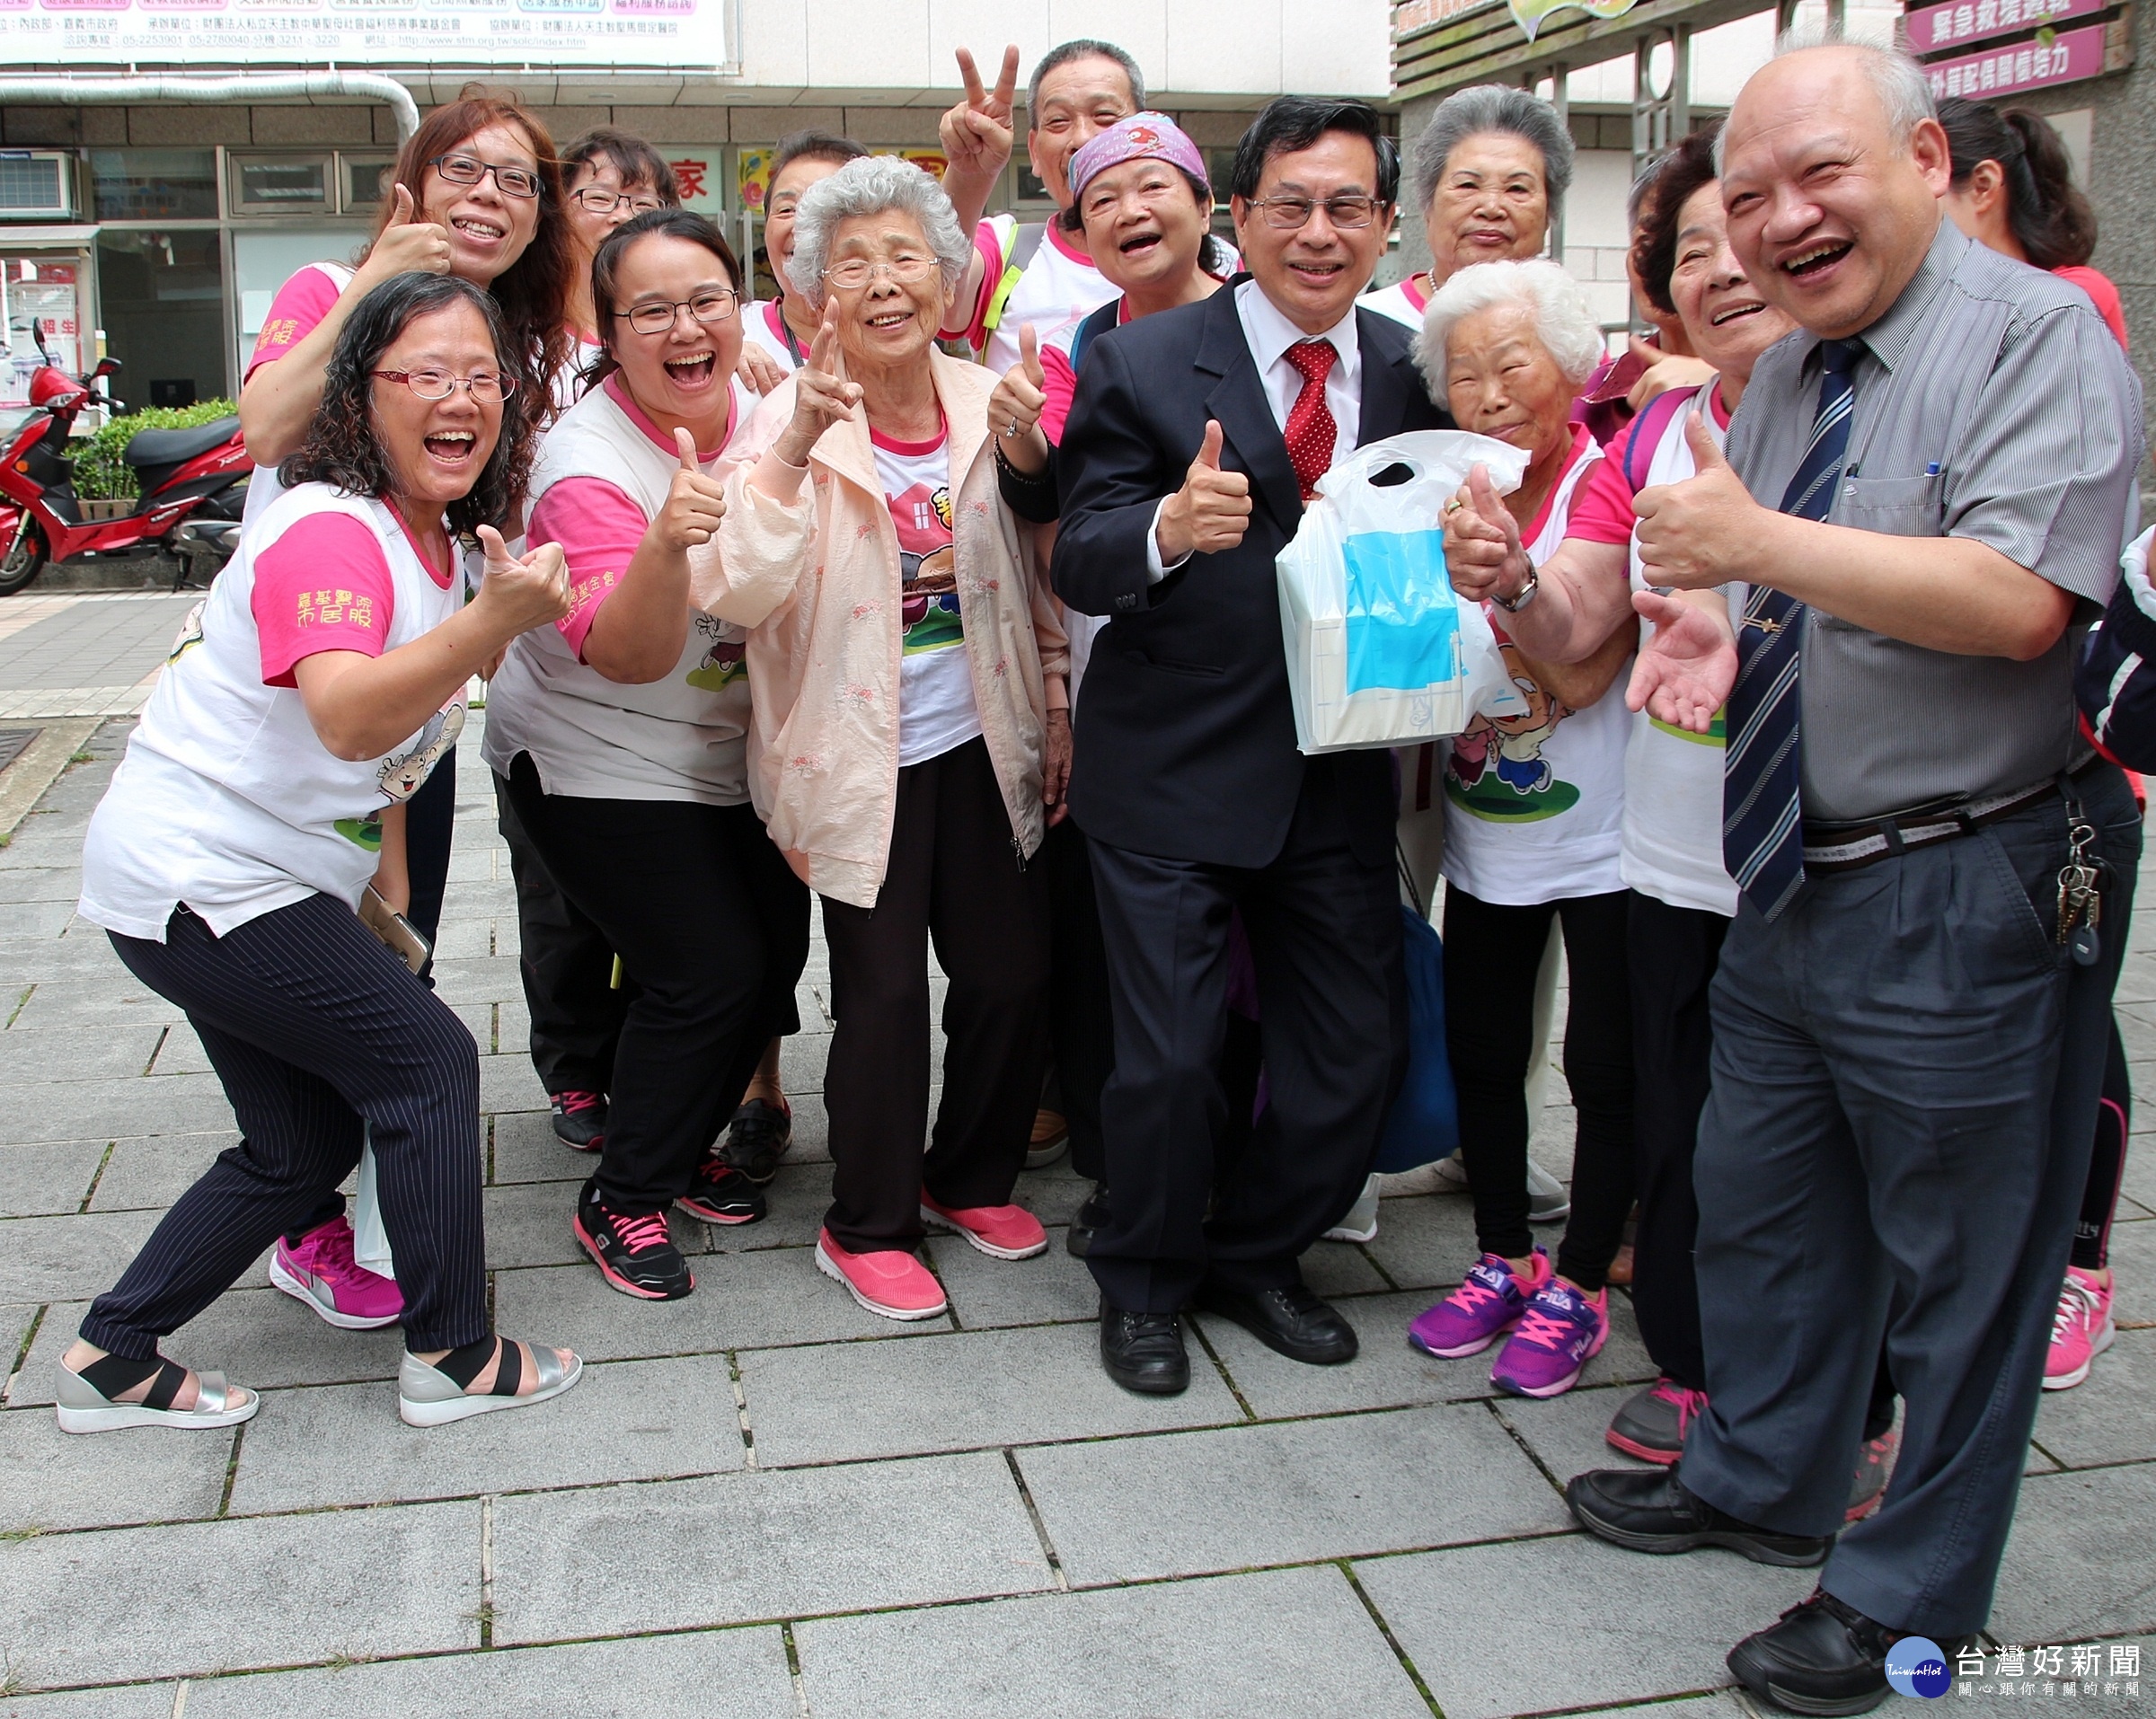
100,472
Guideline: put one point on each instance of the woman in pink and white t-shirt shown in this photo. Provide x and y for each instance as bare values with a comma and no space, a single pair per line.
784,328
262,793
622,734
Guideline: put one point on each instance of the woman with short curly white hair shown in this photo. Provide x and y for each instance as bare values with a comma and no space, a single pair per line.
1534,802
910,730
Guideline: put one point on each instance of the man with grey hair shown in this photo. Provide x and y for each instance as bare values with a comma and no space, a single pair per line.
1026,271
1926,489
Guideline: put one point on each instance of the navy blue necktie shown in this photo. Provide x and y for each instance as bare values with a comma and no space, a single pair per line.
1762,833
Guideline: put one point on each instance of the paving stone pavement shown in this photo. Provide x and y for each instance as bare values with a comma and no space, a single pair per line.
762,1501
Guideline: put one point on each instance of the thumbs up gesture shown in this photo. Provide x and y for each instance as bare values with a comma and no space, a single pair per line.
694,505
1482,548
1015,407
1705,529
408,242
1210,512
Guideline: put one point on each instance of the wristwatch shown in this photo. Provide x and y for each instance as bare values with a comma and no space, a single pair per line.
1512,605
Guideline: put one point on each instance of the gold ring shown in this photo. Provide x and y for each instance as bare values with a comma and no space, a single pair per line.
1452,506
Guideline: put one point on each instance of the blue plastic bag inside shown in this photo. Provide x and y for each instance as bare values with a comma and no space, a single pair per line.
1403,625
1424,1122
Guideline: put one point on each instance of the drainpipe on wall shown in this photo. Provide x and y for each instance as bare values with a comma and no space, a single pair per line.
57,89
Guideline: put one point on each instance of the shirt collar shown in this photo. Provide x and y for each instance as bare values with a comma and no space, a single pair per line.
1270,333
1888,337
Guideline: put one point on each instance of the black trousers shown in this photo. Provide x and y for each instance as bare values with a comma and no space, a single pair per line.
430,829
318,1032
567,967
1324,932
952,876
1492,954
713,928
1082,1027
2108,1160
1673,952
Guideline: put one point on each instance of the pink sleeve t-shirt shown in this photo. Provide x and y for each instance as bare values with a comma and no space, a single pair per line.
600,528
1602,512
324,585
301,304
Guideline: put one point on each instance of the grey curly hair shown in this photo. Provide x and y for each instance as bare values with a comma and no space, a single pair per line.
1563,320
869,186
1493,107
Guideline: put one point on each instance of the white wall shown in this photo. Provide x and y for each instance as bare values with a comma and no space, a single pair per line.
886,50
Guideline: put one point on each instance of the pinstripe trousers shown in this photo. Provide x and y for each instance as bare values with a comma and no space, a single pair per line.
316,1030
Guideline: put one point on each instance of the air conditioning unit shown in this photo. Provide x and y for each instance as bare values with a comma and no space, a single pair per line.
37,184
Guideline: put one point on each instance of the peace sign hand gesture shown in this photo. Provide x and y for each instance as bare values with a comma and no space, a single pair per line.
823,395
979,132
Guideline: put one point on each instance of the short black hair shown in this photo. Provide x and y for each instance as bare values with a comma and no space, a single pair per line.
633,159
1673,181
1293,122
812,144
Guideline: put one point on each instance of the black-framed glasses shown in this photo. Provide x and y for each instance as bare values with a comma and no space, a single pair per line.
657,319
469,170
486,388
603,202
1288,213
853,275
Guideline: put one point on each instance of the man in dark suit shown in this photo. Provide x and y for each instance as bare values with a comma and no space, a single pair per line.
1197,437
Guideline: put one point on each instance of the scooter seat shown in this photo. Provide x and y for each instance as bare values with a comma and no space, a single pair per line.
176,446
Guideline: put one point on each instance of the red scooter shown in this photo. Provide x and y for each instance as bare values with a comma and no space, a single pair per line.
193,485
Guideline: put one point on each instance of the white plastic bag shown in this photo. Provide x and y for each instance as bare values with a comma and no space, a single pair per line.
1381,652
370,1238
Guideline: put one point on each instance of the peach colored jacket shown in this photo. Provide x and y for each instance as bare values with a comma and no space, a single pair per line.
818,583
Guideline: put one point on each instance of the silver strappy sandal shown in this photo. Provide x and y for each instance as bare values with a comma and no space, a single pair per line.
85,1400
434,1393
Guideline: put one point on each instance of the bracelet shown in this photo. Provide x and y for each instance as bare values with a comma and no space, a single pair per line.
1043,478
784,460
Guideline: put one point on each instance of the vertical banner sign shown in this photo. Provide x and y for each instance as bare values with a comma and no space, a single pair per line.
680,35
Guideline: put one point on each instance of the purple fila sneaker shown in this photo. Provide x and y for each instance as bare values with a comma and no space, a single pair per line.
1490,1301
1562,1330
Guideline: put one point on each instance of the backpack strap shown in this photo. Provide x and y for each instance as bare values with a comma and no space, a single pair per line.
1098,323
1024,243
1648,429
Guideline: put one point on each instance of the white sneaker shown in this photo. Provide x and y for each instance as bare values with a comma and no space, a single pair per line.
1360,1224
1547,1200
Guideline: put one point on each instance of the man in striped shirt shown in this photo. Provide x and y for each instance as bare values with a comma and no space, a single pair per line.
1926,488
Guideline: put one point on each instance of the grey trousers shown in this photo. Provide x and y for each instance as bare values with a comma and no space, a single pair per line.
1906,1067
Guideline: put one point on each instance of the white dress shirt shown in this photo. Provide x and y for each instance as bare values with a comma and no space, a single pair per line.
1269,334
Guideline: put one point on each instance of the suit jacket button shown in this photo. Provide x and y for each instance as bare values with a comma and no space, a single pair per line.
1126,601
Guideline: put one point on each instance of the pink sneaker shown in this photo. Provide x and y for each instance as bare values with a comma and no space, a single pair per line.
1000,1231
888,1282
1488,1303
1562,1330
2080,1330
321,1272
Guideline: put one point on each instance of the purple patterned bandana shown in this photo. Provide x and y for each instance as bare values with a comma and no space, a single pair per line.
1143,136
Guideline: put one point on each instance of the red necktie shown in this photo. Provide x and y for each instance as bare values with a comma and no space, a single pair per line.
1311,428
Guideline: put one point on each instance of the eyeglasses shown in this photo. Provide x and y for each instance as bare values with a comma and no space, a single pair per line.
605,202
468,169
1288,213
485,388
657,319
852,276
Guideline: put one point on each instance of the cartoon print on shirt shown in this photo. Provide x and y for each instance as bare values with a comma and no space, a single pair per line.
401,773
1496,770
724,660
928,567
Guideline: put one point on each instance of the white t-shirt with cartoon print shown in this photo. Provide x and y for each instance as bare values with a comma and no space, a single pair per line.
226,799
936,711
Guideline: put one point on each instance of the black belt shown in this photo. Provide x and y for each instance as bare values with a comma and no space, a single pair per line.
1851,847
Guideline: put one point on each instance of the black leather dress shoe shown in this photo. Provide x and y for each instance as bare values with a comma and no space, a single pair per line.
1823,1657
1647,1509
1090,1216
1291,1321
1143,1351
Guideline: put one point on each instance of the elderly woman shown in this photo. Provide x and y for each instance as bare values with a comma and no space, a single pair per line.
910,727
622,734
263,791
1533,806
